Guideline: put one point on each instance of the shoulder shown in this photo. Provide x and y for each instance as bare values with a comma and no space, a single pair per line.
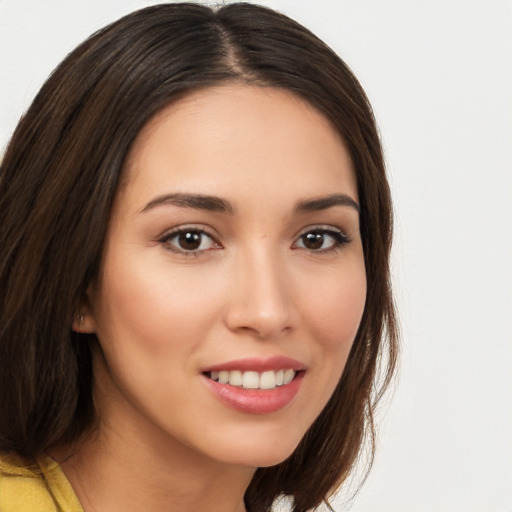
22,486
39,485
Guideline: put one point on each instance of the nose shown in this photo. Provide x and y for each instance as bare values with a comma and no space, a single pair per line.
261,302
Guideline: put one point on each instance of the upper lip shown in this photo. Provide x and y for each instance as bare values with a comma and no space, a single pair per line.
258,365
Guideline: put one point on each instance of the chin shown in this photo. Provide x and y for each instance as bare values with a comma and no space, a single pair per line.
259,451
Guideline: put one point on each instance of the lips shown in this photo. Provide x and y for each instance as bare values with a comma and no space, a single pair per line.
258,365
255,386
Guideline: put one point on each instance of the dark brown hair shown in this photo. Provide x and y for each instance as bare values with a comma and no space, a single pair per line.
60,174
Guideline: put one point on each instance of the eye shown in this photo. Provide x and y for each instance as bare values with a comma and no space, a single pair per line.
321,240
189,240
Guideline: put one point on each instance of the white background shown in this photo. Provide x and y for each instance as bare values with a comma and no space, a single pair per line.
439,74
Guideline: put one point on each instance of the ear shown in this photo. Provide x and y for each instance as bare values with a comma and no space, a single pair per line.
84,320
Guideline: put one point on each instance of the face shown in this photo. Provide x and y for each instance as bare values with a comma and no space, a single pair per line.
233,282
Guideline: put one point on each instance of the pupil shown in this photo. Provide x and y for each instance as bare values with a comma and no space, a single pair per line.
190,240
313,240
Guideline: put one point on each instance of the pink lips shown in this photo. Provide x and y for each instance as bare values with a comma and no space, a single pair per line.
256,401
258,365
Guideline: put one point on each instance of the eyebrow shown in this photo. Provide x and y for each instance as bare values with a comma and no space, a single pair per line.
216,204
322,203
197,201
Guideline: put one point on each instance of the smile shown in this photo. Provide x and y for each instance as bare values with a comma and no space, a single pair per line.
252,379
256,386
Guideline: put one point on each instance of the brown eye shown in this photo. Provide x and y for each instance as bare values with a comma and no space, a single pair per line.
189,241
321,240
314,240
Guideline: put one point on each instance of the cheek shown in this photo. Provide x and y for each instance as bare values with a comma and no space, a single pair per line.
332,312
152,308
335,309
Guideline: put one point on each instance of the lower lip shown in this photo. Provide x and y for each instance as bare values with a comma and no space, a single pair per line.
255,401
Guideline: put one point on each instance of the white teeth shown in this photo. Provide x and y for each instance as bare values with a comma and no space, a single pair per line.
268,380
254,380
251,380
235,378
288,376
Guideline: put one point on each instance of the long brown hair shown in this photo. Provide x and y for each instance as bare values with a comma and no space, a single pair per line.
60,174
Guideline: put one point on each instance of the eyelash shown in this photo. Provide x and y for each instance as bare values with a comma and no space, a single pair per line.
166,240
340,239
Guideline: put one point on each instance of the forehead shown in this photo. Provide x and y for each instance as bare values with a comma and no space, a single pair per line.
240,138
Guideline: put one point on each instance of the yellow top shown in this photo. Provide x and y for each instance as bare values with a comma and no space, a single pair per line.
40,488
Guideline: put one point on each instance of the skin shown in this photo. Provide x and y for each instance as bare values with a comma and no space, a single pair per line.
254,289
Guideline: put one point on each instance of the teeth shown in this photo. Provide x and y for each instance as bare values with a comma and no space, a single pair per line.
251,380
288,376
235,378
268,380
254,380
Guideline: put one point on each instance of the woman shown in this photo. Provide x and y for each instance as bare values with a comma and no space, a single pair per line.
195,240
